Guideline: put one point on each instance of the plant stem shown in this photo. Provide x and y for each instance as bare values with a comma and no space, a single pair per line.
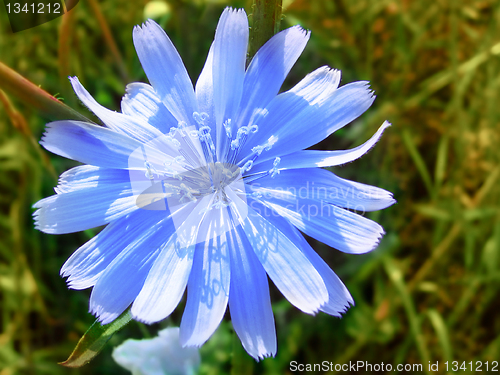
33,96
20,123
266,21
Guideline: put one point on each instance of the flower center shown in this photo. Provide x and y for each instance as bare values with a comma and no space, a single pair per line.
195,167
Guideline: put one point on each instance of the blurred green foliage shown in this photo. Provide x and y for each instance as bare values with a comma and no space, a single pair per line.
428,293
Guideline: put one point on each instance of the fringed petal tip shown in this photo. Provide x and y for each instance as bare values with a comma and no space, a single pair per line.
230,11
373,240
371,243
75,285
338,313
340,304
83,94
314,309
148,23
305,32
49,128
42,140
74,81
147,26
140,319
318,84
262,356
390,201
102,316
376,242
262,352
64,272
191,345
39,218
76,279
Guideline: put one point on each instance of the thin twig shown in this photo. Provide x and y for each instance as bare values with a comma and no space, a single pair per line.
34,97
108,37
21,124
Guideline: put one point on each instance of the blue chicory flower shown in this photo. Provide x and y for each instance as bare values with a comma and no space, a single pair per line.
208,187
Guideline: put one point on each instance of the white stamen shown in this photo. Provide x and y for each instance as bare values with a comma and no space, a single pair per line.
247,166
204,135
179,159
200,118
227,126
241,135
274,171
182,128
266,146
149,167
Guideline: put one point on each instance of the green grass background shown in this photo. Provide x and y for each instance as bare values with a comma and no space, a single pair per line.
430,292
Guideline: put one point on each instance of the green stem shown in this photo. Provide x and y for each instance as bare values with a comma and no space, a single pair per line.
266,21
92,342
33,96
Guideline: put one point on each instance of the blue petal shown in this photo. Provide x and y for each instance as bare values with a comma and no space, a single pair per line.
89,176
205,91
313,158
283,261
89,261
84,208
249,301
335,226
134,127
268,70
96,145
228,69
306,96
165,70
121,282
166,282
319,120
142,102
339,297
324,186
208,286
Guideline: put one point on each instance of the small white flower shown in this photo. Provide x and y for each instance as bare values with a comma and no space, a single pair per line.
162,355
